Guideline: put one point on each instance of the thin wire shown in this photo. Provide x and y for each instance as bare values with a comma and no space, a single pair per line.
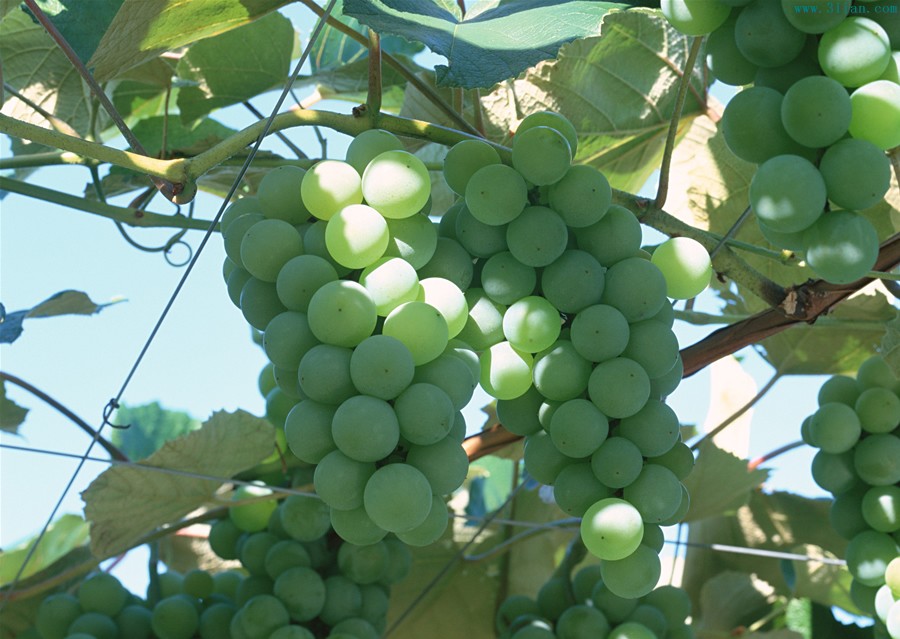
114,402
761,552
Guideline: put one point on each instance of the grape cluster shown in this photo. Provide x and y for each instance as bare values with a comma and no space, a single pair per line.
822,107
585,608
857,431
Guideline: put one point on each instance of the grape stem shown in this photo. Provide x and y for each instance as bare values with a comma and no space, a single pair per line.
373,98
759,461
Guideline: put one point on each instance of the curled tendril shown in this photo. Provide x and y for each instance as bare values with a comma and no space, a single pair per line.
141,201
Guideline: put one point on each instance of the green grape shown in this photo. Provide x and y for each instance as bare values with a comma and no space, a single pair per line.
679,459
674,603
443,463
619,387
857,174
834,472
694,17
878,410
329,186
765,36
100,626
892,576
573,282
542,459
288,382
448,299
635,575
374,603
584,581
881,508
841,247
398,497
787,241
381,366
390,281
883,601
685,265
446,226
175,618
875,372
520,414
617,463
576,489
284,555
787,193
839,388
578,428
506,371
300,278
615,608
401,562
816,111
368,145
892,622
365,428
260,303
341,481
235,284
835,428
198,584
356,628
725,61
616,236
665,384
171,582
247,204
631,630
892,73
845,514
314,244
479,239
292,632
877,459
651,618
560,373
654,537
396,184
484,326
413,239
234,235
783,77
506,280
430,530
652,345
599,333
253,551
464,159
421,328
538,236
228,267
305,518
342,313
356,527
612,529
135,622
636,288
451,375
307,430
553,120
535,629
55,614
287,339
581,197
279,195
855,51
868,555
654,429
363,564
251,586
816,16
260,617
541,155
656,493
512,608
324,374
458,429
554,597
532,324
425,414
252,516
102,592
356,236
749,112
450,261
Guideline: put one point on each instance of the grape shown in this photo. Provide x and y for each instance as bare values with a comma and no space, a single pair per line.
267,246
532,324
461,350
541,154
369,144
877,459
421,328
787,241
749,112
444,464
365,428
247,204
674,603
464,159
287,339
363,564
305,518
855,51
99,626
396,184
679,459
451,375
839,388
694,17
171,582
787,193
448,299
554,597
278,405
341,481
55,614
512,608
635,575
101,592
725,61
816,111
314,244
175,618
765,36
356,628
783,77
654,429
254,549
612,529
425,414
560,373
390,282
506,371
654,537
881,508
450,261
251,586
356,527
892,73
413,239
288,382
631,630
484,326
542,459
636,288
430,530
135,622
578,428
324,374
329,186
599,333
292,632
520,414
617,463
883,601
892,576
876,372
234,235
260,617
816,16
553,120
878,410
284,555
307,430
845,514
398,497
876,114
653,346
584,582
356,236
868,555
834,473
381,366
656,493
235,284
506,280
857,174
279,195
495,195
619,387
663,385
252,516
538,236
651,618
576,489
573,282
342,313
841,247
616,236
835,428
581,197
198,584
685,265
343,600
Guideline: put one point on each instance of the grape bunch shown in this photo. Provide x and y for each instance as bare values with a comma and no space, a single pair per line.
857,431
821,108
585,608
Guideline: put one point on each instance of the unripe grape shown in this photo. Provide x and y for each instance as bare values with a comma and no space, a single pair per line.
686,266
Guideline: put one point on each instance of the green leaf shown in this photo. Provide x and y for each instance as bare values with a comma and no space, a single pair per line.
11,414
720,483
35,67
126,502
489,45
8,5
728,601
141,91
235,66
82,24
63,535
63,303
826,584
149,427
142,29
890,345
182,140
351,82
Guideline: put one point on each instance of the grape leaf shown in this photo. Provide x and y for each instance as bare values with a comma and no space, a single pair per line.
827,584
125,502
81,23
720,483
494,42
62,303
142,29
149,427
63,535
730,600
890,345
11,414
